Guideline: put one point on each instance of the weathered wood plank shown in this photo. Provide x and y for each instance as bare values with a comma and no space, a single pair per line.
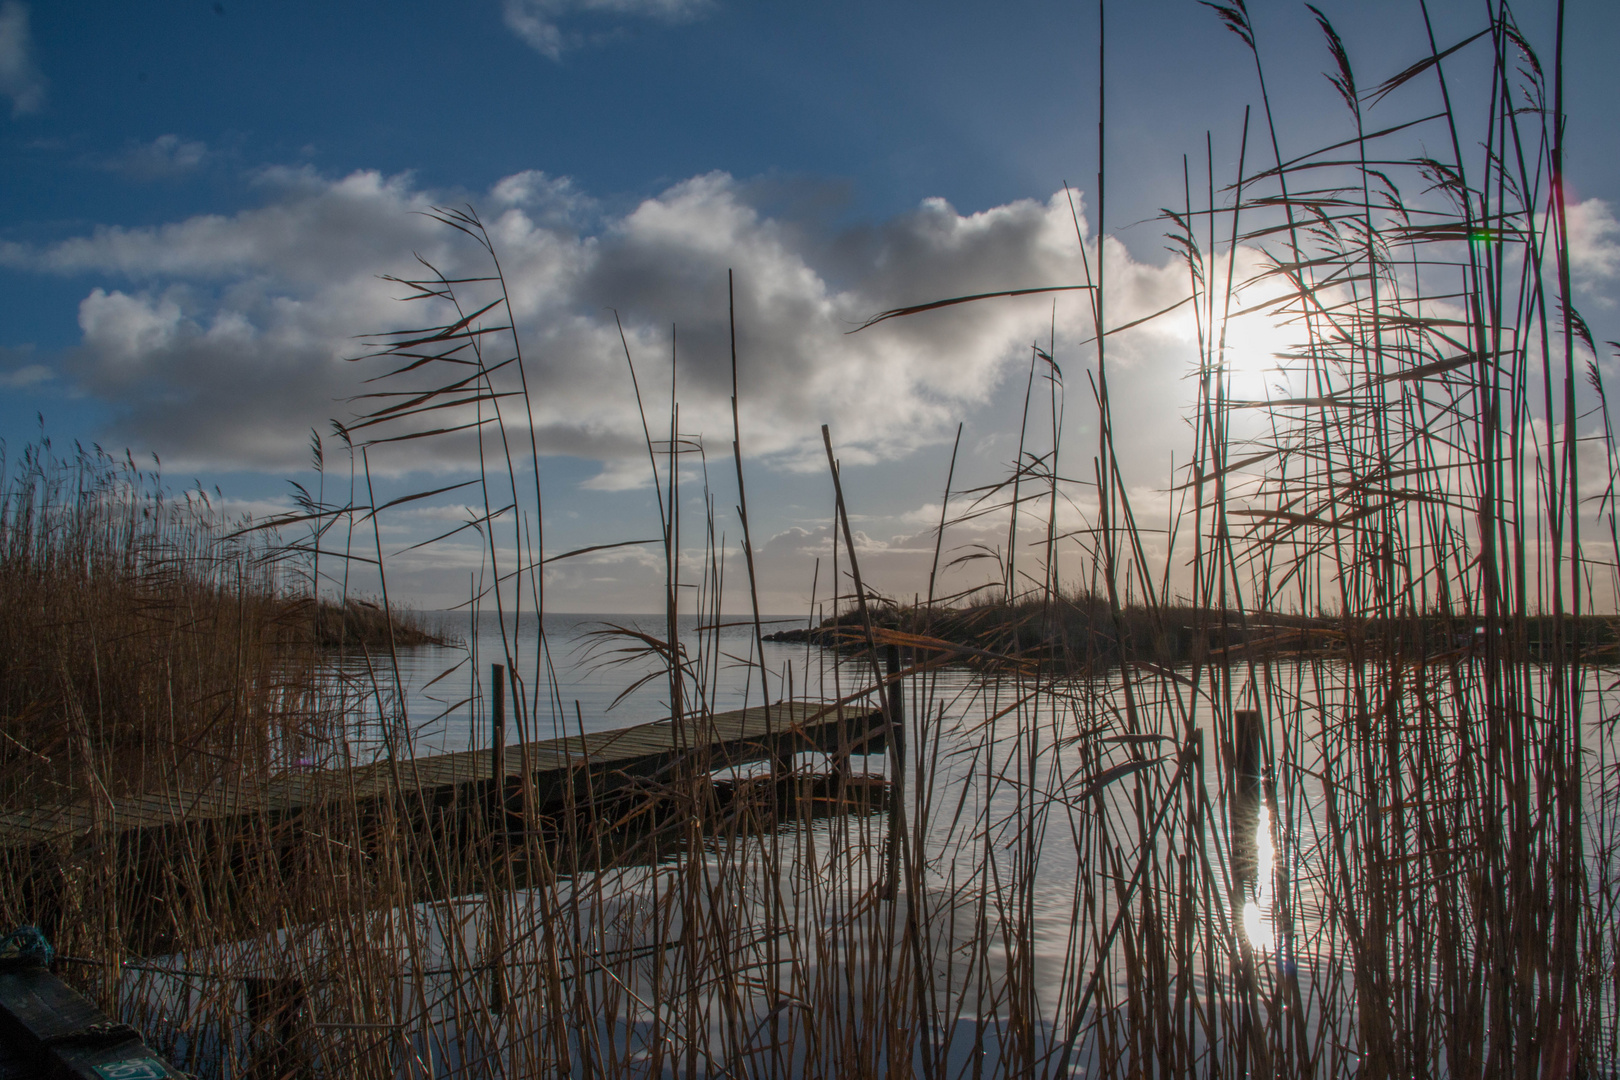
62,1033
613,757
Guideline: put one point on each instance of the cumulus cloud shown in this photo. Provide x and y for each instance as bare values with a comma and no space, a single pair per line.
551,200
164,157
1594,240
225,338
20,78
540,22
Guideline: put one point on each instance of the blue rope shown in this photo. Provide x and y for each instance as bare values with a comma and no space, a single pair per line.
26,945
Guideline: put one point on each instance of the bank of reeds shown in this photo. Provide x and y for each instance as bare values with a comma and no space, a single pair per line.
138,647
145,640
353,624
1080,634
1392,857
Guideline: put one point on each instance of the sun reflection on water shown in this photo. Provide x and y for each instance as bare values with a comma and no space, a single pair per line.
1257,924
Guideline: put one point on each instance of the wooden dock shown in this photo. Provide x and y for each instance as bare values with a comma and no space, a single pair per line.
598,763
48,1029
459,803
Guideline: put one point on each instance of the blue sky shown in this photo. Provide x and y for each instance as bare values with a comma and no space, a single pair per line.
198,199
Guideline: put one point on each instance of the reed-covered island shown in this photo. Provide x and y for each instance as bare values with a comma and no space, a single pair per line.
1316,778
1081,633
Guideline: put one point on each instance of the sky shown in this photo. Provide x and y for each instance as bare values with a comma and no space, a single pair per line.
201,203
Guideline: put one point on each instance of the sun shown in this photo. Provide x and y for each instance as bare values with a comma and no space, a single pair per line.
1255,357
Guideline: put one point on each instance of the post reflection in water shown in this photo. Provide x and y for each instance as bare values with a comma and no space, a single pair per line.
1254,855
1257,924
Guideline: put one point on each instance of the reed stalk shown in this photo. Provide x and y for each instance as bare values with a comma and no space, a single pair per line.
1336,801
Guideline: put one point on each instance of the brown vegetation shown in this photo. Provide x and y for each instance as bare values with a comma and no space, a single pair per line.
145,646
137,649
1070,875
1080,634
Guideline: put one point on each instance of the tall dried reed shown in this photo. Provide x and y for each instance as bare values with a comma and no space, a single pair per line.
1389,850
138,646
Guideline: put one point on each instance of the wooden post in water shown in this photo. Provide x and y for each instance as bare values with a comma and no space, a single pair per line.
895,692
274,1006
897,705
1250,895
1244,798
497,751
1247,736
497,829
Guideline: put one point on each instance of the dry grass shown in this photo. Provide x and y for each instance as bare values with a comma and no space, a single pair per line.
138,648
1064,880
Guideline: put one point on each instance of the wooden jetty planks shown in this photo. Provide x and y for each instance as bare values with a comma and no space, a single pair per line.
614,758
59,1032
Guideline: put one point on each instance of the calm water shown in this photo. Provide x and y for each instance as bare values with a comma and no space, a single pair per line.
576,678
1006,767
589,661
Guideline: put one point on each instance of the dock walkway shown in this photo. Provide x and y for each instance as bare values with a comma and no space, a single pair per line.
203,861
598,764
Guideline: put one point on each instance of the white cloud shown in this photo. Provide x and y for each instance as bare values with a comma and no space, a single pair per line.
128,331
819,541
551,200
316,231
20,78
223,338
926,514
164,157
540,22
620,474
1594,239
25,376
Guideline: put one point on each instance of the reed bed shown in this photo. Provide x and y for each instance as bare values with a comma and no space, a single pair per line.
1388,852
138,646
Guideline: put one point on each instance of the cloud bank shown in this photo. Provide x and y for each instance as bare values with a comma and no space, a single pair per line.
224,338
1594,240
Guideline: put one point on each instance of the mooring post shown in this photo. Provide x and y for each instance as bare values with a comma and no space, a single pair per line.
1244,797
497,828
1247,736
497,750
1243,804
275,1004
838,757
895,692
783,746
1246,740
897,706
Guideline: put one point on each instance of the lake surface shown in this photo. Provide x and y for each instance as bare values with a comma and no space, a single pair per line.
574,675
1050,813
